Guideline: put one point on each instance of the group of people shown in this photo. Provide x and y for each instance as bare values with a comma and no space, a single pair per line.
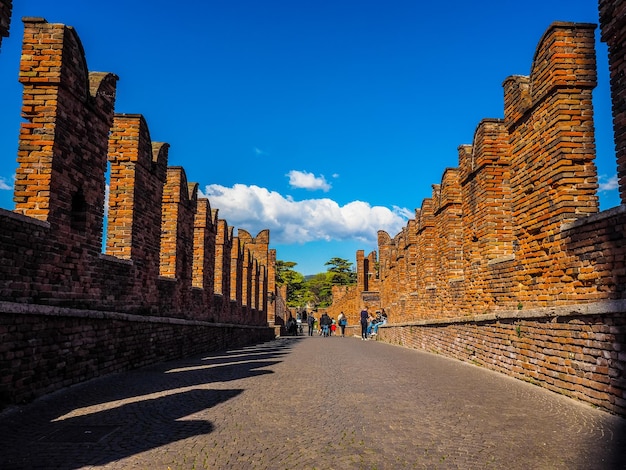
293,327
328,326
370,324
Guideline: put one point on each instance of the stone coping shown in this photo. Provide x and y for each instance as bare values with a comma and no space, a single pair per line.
574,310
53,311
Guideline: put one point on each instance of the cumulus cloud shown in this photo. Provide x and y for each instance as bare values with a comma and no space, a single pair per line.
306,180
254,208
607,184
4,184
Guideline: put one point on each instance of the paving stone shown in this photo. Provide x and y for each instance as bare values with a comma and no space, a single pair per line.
310,403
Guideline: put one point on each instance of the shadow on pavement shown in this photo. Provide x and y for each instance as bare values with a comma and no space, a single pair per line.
120,415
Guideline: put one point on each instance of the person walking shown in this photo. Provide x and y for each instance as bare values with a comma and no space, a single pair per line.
310,320
364,318
343,321
325,323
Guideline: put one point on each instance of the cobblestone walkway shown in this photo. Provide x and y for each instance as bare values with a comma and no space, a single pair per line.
310,403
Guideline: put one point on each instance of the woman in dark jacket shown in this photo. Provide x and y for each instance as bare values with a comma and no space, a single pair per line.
364,317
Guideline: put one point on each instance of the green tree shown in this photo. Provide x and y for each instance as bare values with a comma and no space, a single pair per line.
296,288
341,272
320,290
317,290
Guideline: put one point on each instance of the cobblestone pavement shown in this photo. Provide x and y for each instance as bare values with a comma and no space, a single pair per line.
310,403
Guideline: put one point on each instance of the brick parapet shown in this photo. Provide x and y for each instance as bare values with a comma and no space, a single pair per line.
91,343
70,134
448,238
259,252
568,349
160,238
236,271
272,288
138,172
179,207
426,258
613,33
532,242
552,152
246,280
62,149
476,238
487,211
222,258
204,253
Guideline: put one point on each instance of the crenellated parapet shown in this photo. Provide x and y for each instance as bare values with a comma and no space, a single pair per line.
237,273
156,288
166,253
496,232
177,237
515,268
448,239
259,250
205,233
426,261
486,208
62,151
613,33
552,147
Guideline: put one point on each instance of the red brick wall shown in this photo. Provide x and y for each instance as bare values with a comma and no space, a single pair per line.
46,348
205,230
236,276
138,171
154,286
569,351
177,236
489,237
613,27
259,249
514,268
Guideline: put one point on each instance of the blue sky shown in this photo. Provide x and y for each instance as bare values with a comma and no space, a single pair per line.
323,120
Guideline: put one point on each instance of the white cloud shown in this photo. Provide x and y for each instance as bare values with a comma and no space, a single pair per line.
259,152
254,208
4,185
305,180
609,184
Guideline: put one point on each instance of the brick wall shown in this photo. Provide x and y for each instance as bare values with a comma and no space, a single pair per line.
612,23
47,348
489,236
158,291
508,264
567,350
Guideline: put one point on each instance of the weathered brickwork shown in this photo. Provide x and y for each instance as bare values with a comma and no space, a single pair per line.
612,22
264,272
236,275
204,251
568,352
6,6
509,264
161,289
138,172
46,348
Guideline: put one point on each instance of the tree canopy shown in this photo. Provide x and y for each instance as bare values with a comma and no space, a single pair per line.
314,291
